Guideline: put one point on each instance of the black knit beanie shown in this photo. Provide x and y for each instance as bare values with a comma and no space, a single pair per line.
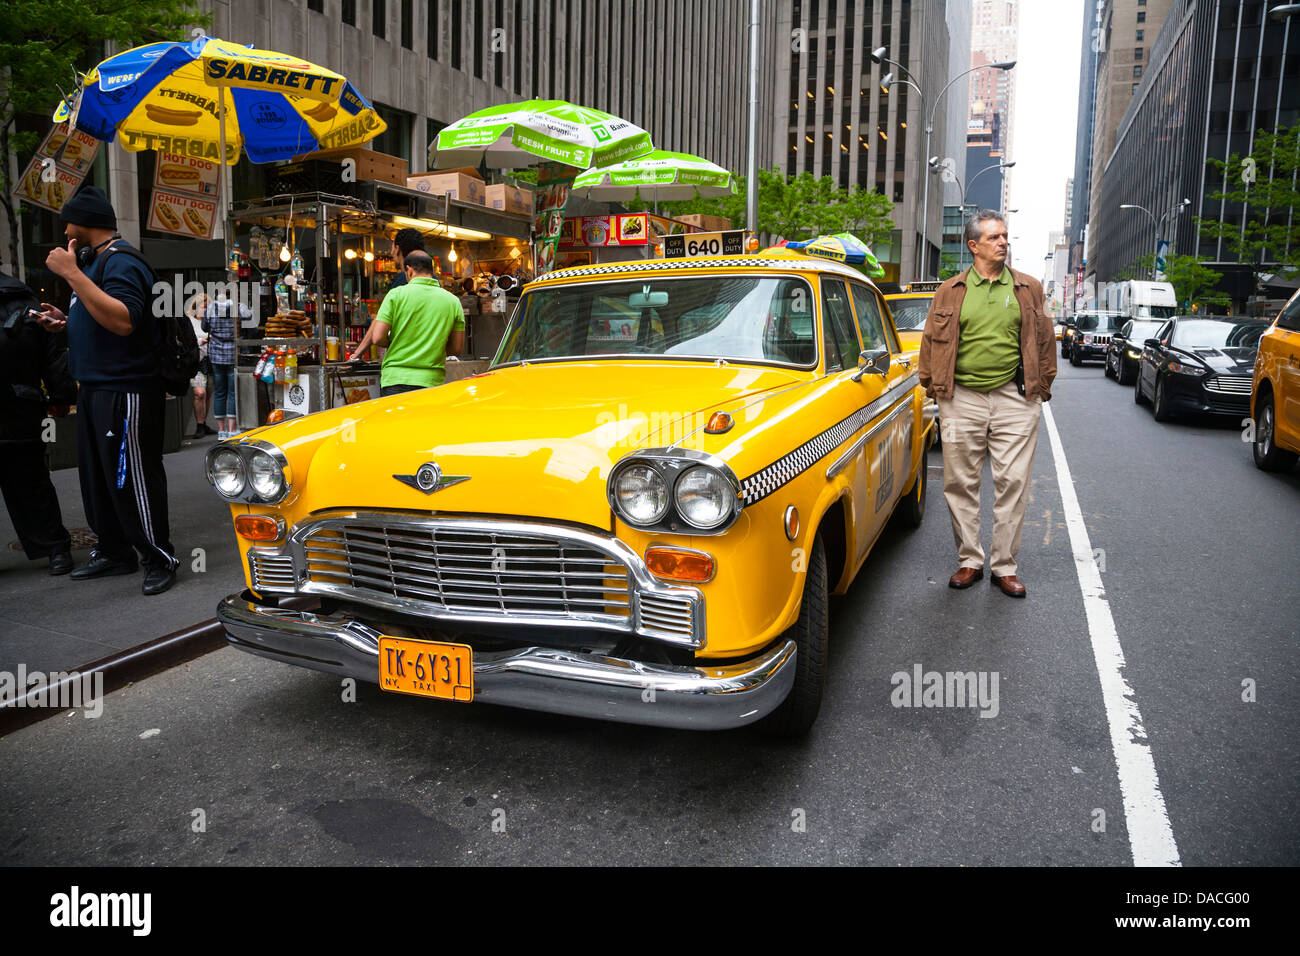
89,208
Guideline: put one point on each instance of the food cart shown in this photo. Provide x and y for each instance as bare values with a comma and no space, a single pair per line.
316,265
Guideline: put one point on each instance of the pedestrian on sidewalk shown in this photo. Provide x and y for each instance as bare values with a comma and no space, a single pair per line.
219,324
29,358
988,356
199,385
113,349
421,323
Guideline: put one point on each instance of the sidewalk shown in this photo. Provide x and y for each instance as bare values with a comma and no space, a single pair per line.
55,623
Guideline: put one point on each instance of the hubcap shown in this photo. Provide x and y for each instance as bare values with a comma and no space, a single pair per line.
1265,433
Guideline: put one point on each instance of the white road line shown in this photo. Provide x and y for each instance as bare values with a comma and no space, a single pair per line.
1151,838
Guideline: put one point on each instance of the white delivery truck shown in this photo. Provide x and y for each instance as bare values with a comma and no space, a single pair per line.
1141,300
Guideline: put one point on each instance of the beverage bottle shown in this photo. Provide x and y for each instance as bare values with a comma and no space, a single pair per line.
296,265
291,368
261,365
279,367
282,297
268,370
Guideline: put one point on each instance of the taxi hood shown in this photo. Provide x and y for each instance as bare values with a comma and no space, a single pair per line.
536,440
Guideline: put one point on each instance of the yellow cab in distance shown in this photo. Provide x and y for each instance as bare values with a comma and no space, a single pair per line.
1275,392
636,514
909,308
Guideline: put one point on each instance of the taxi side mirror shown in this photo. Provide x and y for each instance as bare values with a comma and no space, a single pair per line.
872,362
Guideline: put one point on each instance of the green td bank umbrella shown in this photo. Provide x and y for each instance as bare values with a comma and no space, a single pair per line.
657,176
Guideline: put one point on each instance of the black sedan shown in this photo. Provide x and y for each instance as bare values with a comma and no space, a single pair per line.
1125,348
1200,364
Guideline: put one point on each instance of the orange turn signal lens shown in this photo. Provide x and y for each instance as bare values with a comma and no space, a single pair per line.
258,527
752,244
679,564
275,417
719,423
792,522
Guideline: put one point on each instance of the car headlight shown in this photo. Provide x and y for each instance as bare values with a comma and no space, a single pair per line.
226,472
254,471
640,494
1133,353
703,497
1186,368
264,475
1087,340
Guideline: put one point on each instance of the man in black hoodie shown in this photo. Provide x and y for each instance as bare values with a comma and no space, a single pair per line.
113,343
30,357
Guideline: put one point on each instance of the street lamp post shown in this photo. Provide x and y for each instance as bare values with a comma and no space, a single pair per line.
1174,211
961,255
878,56
1154,225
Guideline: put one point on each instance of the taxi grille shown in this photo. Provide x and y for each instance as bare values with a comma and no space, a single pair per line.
494,573
1228,384
271,571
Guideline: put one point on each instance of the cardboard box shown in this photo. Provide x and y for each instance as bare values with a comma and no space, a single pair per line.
372,166
706,223
463,188
510,199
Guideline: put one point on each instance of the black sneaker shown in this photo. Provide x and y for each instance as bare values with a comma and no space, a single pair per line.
61,563
157,580
99,567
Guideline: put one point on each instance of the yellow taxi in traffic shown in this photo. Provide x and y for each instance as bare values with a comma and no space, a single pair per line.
1275,392
909,308
636,514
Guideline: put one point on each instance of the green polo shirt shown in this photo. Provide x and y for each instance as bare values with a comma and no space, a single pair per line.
421,315
988,349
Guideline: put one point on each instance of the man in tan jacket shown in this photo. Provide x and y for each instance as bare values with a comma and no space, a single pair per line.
988,356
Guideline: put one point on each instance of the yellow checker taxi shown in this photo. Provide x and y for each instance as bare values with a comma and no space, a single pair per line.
909,309
636,514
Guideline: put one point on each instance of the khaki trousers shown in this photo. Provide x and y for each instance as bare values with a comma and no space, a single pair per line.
1001,425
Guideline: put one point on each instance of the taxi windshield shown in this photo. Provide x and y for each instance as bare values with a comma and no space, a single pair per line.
743,318
909,314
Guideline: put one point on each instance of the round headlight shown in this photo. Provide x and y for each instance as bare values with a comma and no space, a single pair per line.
704,497
641,494
227,473
264,475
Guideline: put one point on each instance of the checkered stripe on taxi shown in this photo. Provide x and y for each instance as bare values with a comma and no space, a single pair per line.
788,467
663,266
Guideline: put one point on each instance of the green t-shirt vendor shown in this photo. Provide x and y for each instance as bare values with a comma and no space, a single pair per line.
421,324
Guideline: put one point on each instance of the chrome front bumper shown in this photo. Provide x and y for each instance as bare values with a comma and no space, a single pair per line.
714,697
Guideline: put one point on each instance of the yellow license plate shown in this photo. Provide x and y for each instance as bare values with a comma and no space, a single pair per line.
426,668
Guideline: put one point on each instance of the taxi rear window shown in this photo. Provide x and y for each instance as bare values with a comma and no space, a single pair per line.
768,319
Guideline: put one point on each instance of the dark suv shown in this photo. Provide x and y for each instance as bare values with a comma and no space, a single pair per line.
1088,333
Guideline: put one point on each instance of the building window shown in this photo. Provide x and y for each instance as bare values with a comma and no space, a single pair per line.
1137,70
378,17
350,12
431,36
519,46
1142,16
477,29
316,5
1142,3
396,140
456,23
1138,38
1137,53
1135,87
408,24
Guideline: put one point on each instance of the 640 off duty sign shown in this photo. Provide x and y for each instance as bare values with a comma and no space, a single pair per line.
705,244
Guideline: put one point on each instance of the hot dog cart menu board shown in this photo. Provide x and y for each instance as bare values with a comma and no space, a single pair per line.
50,179
182,214
187,173
78,150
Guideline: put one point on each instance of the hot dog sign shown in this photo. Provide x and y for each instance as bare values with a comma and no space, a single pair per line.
173,171
182,214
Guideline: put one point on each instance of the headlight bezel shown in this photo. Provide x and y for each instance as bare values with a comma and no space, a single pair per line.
671,464
249,451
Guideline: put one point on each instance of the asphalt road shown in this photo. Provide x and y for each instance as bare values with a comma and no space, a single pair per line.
1198,552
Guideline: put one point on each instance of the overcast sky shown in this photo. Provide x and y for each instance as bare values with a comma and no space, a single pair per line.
1047,99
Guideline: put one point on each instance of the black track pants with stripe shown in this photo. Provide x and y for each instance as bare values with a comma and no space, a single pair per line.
133,514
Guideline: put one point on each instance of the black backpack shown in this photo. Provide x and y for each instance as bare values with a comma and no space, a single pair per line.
178,348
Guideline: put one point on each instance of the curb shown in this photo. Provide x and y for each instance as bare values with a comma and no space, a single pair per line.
121,669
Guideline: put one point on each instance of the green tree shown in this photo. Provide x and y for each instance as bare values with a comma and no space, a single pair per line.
43,45
1265,183
1194,283
949,267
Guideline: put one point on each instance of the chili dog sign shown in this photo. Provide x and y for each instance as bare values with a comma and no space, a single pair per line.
172,171
182,214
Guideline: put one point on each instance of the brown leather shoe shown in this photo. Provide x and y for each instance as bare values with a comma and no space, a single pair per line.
965,577
1009,584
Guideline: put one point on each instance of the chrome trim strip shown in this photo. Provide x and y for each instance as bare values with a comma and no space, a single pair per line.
640,580
843,461
788,467
703,697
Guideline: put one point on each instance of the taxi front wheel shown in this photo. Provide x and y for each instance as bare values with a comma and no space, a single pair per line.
1267,455
798,711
